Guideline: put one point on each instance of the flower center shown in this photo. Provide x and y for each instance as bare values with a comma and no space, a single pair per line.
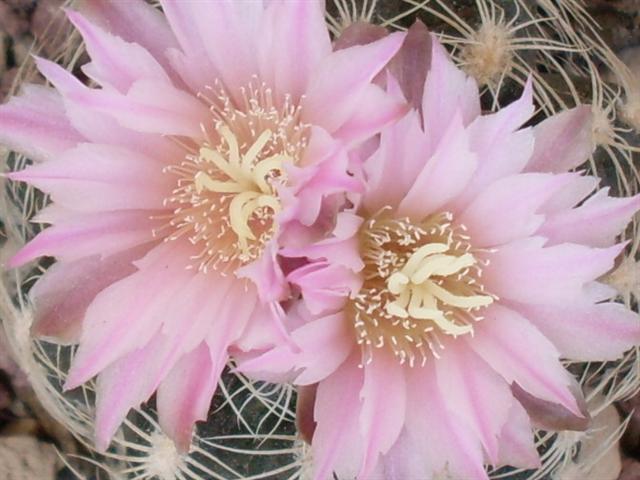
227,191
421,281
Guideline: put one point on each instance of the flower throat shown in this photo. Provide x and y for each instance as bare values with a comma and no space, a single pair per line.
421,281
227,190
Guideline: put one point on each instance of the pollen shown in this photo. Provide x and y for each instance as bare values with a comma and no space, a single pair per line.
422,282
227,190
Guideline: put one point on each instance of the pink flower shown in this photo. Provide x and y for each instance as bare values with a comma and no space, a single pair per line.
435,316
171,181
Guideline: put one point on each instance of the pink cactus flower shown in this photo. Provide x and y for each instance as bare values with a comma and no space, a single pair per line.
172,179
434,318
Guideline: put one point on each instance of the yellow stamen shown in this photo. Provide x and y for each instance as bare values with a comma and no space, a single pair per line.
420,281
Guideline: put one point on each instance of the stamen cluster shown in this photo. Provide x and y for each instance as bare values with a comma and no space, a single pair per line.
421,281
227,190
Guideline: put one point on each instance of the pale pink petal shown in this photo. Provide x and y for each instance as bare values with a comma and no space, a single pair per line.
115,62
88,235
501,147
191,61
121,387
405,460
383,407
134,21
57,314
578,188
444,441
444,177
521,354
512,205
93,177
185,394
411,64
563,141
337,442
394,166
597,222
292,30
327,337
325,287
475,393
266,275
338,251
322,172
35,124
99,127
375,110
338,84
148,106
596,292
126,315
516,445
225,307
448,93
525,272
225,31
584,331
153,107
261,333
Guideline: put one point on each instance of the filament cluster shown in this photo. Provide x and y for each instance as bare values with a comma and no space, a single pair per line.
421,281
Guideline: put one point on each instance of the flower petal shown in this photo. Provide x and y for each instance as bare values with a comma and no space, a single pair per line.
127,314
87,235
93,177
185,394
121,387
221,34
153,107
192,52
597,222
550,416
57,314
375,110
115,62
394,166
563,141
327,337
523,271
521,354
444,176
339,82
586,332
517,447
79,102
134,21
445,441
412,62
512,203
475,393
35,124
501,147
448,92
383,407
292,30
337,442
325,287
